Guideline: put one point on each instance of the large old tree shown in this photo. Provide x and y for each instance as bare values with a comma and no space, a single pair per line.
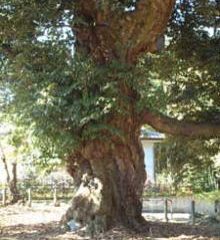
87,75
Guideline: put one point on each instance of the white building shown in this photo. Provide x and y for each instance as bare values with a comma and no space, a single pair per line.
148,139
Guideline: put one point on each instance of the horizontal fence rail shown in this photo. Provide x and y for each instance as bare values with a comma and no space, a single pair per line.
40,192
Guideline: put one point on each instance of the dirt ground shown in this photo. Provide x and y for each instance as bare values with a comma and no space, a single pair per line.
41,222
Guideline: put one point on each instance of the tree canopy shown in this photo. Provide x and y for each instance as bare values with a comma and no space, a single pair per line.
61,93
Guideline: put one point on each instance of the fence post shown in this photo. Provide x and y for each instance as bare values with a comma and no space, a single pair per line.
166,209
217,207
171,208
29,198
63,189
55,197
4,197
193,211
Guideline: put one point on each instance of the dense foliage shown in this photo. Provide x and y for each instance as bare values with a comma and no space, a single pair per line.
65,98
192,91
189,164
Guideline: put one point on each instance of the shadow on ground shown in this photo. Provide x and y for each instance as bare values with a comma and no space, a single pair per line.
52,231
31,232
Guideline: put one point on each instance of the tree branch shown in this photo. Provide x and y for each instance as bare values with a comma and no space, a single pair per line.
143,27
180,127
3,157
119,34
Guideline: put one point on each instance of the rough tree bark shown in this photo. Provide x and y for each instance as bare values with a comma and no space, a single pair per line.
110,176
120,35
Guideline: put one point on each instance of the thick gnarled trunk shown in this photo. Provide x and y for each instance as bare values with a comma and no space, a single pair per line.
110,170
111,176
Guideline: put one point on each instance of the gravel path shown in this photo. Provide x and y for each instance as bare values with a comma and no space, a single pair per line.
38,213
41,222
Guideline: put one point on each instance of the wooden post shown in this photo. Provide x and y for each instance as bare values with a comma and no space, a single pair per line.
171,209
193,212
217,207
29,198
63,189
166,209
55,197
4,197
217,210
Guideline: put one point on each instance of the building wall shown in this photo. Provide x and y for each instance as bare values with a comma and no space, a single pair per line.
149,160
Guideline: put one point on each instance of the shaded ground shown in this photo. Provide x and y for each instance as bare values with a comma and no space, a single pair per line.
41,223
